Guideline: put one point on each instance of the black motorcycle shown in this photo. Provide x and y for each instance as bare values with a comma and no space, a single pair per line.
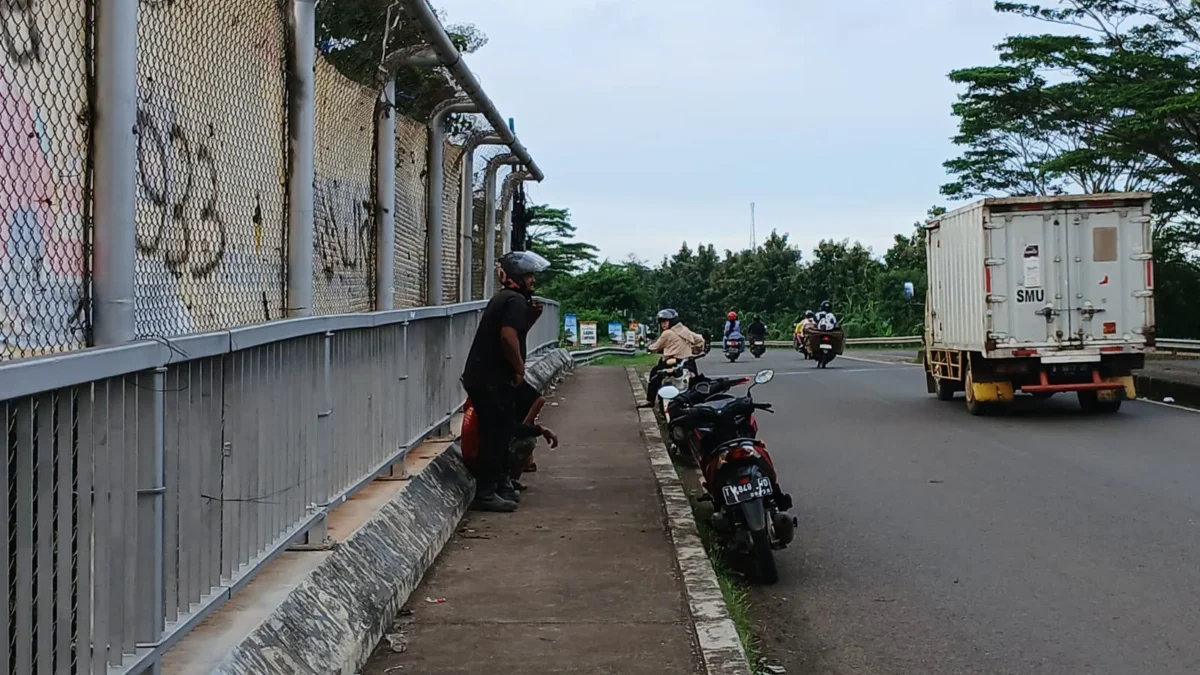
758,346
739,477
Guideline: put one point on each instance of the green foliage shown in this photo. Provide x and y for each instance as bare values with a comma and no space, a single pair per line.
357,35
551,234
1113,105
771,281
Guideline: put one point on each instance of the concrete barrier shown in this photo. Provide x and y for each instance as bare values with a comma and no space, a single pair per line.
1154,388
333,618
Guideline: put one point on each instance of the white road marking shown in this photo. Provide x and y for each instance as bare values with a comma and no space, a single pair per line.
886,363
1169,405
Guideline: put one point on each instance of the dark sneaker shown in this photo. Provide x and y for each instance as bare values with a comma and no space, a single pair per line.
519,486
494,503
510,494
532,468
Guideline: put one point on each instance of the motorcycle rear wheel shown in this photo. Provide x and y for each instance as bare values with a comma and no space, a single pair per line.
764,557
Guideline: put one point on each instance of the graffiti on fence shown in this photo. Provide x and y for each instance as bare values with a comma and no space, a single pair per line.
20,37
177,175
342,239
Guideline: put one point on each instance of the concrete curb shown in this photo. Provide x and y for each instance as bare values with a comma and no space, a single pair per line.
333,619
716,635
1156,389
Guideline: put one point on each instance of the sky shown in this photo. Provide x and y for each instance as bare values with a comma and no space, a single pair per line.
659,121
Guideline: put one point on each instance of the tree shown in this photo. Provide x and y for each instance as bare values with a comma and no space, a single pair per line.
550,234
357,35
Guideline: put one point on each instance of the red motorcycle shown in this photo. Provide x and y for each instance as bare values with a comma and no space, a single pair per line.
738,474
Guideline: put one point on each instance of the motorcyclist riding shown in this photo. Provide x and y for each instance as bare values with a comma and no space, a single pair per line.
825,318
733,329
675,342
757,329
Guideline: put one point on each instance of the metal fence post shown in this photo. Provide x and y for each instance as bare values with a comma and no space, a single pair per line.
467,219
114,185
385,197
435,200
507,192
318,535
301,172
489,228
151,493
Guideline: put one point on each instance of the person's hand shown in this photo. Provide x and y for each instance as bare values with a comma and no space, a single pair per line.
550,437
519,378
536,308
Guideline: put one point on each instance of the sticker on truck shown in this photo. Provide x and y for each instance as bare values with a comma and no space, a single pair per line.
1033,267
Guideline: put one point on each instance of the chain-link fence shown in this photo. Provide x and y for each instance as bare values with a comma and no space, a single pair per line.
44,171
211,164
411,161
344,195
211,177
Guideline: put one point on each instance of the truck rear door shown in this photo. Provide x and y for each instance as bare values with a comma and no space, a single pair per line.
1110,275
1028,280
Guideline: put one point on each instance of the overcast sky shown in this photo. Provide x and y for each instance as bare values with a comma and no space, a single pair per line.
659,121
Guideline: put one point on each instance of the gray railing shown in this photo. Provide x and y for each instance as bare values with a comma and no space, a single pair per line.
149,482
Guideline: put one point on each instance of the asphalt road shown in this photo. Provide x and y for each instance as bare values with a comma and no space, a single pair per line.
932,542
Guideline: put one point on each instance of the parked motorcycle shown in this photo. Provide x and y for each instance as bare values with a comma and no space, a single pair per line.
738,474
734,346
758,347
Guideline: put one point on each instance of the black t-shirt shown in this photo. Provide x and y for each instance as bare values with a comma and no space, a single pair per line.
486,364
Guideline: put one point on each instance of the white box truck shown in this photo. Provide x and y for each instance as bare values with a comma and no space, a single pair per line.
1040,295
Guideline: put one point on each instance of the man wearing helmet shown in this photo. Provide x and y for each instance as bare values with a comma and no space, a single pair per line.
675,342
495,369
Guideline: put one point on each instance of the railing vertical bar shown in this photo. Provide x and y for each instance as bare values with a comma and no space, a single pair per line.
106,648
214,422
230,450
65,449
128,541
44,521
8,408
25,450
174,547
86,499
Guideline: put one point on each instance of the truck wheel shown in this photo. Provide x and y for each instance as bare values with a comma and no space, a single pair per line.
974,406
1090,402
942,389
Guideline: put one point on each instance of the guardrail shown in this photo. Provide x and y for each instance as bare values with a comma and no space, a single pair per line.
153,480
905,340
585,356
1177,346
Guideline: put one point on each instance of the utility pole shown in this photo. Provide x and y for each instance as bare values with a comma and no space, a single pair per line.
753,239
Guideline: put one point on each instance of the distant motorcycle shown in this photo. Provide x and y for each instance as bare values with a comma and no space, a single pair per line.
735,344
758,347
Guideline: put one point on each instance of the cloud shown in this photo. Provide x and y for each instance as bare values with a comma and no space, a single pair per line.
659,122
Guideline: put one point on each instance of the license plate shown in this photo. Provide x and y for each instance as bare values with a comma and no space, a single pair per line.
738,493
826,346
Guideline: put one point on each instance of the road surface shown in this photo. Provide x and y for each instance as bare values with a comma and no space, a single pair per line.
932,542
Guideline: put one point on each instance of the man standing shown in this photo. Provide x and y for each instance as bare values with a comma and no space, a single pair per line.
495,368
675,342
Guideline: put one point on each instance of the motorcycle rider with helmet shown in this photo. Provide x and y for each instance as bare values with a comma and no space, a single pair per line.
825,318
757,329
733,328
675,341
494,371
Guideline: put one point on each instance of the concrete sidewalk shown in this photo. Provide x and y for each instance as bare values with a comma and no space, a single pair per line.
583,579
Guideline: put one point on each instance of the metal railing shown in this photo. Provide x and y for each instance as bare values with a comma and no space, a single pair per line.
149,482
1161,346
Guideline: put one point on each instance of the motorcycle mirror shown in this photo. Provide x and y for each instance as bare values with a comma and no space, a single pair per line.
764,376
668,392
909,291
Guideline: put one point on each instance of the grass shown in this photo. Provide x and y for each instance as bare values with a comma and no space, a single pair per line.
641,362
733,585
